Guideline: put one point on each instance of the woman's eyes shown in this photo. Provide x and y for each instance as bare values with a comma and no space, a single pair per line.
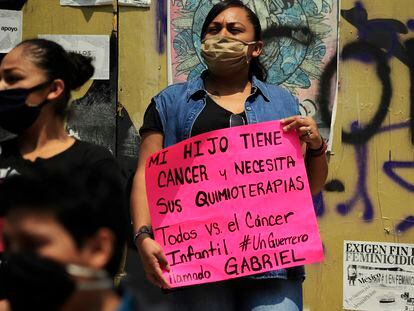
23,244
11,78
233,30
33,243
213,30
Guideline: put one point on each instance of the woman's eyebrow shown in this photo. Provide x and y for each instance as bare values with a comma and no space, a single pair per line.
9,70
217,23
235,24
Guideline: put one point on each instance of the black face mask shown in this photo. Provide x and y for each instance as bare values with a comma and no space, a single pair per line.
15,115
31,282
12,4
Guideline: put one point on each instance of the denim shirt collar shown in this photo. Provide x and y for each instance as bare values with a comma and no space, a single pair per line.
261,87
196,86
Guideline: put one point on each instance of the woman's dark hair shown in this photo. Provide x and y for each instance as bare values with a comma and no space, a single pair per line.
73,68
82,201
256,67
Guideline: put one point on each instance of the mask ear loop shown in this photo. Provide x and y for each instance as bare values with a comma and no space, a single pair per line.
94,285
248,45
39,86
102,281
85,272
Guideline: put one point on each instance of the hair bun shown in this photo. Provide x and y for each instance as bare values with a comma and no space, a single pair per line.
82,69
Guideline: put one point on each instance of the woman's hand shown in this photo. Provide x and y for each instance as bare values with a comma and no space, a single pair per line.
306,128
154,261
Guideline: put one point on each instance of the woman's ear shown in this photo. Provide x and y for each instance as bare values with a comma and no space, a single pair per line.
97,251
257,49
56,90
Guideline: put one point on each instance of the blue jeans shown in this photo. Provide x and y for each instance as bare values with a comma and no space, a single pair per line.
241,294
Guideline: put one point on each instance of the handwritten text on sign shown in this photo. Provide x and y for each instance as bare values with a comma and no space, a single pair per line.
231,203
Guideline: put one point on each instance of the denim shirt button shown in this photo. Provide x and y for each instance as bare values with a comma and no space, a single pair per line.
248,108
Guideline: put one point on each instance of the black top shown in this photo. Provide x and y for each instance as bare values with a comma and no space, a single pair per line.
212,117
80,154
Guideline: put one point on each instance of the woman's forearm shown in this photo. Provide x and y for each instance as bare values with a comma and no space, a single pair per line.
150,143
317,169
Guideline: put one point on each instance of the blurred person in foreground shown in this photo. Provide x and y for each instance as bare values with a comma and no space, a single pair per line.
64,237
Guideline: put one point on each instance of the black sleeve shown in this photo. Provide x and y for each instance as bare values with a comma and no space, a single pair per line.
152,120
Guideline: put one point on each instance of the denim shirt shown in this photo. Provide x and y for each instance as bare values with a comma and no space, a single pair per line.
180,104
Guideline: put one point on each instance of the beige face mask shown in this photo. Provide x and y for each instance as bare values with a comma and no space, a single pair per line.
225,55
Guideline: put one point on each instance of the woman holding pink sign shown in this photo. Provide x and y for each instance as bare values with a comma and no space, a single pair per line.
229,93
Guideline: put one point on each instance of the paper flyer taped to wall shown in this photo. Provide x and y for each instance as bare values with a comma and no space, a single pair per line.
378,276
10,29
138,3
95,46
86,2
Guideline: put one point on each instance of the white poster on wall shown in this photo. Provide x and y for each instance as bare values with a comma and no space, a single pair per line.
10,29
95,46
85,2
378,276
138,3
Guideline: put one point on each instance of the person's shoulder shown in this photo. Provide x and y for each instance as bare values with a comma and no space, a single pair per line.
93,156
91,152
181,88
277,89
174,89
283,97
280,94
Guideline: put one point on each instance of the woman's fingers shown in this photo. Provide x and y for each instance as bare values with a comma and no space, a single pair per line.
155,273
154,262
162,264
292,123
306,128
162,260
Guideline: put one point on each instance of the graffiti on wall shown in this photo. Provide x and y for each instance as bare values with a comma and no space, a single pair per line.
161,26
368,48
378,42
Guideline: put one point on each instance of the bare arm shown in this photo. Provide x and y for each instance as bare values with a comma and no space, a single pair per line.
317,167
151,142
151,253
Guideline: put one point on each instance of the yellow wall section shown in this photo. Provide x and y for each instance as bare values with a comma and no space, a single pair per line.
358,99
142,71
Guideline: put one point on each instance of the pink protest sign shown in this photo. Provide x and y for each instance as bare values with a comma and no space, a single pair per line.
231,203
